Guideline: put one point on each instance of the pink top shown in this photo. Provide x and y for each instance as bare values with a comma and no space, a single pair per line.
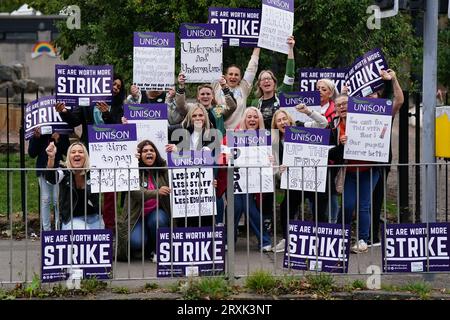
150,204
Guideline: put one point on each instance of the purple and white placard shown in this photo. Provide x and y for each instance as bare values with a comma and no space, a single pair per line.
112,149
324,248
85,253
83,85
41,113
277,24
368,129
305,153
192,188
151,123
250,154
201,52
363,77
154,60
308,77
416,247
240,27
191,252
289,100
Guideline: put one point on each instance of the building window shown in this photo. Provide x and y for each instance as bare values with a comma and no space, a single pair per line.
21,36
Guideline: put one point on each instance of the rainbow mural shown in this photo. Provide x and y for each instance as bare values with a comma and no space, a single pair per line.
43,47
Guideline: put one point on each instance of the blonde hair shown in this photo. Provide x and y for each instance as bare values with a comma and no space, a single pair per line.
331,86
276,137
86,164
208,86
187,122
242,124
259,92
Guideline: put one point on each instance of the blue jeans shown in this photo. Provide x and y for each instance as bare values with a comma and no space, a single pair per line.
150,220
49,195
240,206
220,205
93,221
334,208
365,192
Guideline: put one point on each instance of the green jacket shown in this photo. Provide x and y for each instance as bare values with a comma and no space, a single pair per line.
136,199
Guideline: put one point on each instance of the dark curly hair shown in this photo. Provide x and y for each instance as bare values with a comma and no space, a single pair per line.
159,161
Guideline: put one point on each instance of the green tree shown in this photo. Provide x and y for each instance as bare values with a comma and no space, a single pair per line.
328,33
10,5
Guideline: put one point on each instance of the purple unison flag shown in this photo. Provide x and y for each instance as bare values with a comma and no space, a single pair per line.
154,111
192,158
307,135
363,77
323,248
370,106
154,39
248,138
291,99
308,77
240,27
111,133
416,247
41,113
200,31
69,250
191,251
83,85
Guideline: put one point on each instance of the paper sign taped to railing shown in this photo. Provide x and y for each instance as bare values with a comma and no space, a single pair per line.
305,154
416,247
112,149
323,248
191,252
63,252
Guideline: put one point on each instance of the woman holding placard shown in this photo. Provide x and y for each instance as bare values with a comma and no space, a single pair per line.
147,209
79,207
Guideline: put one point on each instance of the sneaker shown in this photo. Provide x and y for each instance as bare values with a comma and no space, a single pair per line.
280,246
376,243
360,247
267,248
153,257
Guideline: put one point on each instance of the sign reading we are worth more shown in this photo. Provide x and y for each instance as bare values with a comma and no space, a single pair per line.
277,24
240,27
192,187
42,113
87,253
305,154
416,247
308,77
191,252
251,151
368,129
112,149
288,102
363,77
154,60
201,52
151,123
83,85
324,247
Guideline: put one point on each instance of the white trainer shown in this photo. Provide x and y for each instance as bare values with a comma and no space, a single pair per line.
280,246
267,248
360,247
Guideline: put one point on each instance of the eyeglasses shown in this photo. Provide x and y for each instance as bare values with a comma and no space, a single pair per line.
341,104
266,79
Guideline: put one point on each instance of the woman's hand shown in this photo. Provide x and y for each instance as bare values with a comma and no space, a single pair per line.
60,107
124,120
134,90
343,139
51,150
303,109
223,82
282,168
215,183
102,106
164,191
171,148
181,80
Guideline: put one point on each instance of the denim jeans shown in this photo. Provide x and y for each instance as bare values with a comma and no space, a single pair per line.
240,207
365,192
334,208
220,205
93,221
49,195
149,230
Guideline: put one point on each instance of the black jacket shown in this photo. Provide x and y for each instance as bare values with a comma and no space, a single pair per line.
37,146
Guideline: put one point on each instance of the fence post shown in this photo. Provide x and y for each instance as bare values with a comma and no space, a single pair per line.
230,223
22,151
403,157
418,100
7,153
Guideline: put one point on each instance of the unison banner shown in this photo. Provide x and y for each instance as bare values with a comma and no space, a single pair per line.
83,85
154,60
87,253
240,27
416,247
41,113
289,100
112,148
191,252
201,52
